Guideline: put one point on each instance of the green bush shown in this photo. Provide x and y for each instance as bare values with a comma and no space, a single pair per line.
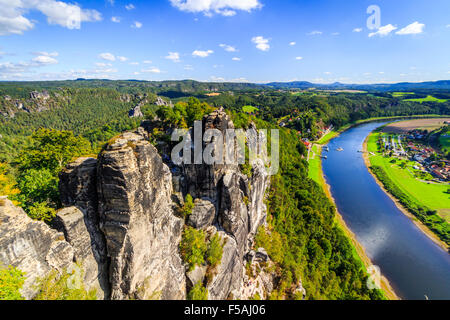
186,209
193,247
56,287
11,281
198,292
215,251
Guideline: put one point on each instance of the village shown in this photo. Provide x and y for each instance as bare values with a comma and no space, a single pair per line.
413,147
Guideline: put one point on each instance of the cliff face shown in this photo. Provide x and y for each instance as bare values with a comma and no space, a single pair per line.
239,208
31,246
142,233
119,223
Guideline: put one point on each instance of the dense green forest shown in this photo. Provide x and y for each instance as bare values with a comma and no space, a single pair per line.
302,237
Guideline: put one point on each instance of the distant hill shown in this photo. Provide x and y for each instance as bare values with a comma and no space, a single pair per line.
402,86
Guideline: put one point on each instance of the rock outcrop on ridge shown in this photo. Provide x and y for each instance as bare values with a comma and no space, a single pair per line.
119,223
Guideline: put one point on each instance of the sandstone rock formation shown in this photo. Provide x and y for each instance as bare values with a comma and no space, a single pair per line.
119,223
142,233
31,246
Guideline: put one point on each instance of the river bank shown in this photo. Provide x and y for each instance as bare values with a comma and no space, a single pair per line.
360,251
418,223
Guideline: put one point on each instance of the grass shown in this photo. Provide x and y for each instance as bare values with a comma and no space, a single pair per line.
401,94
444,142
330,135
431,195
249,109
427,99
315,165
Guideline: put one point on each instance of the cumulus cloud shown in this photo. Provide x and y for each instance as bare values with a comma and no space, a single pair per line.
228,48
130,7
45,60
13,20
236,59
107,56
151,70
383,31
147,62
174,56
314,33
298,58
209,7
413,28
103,65
202,54
293,43
115,19
136,25
122,59
357,30
261,43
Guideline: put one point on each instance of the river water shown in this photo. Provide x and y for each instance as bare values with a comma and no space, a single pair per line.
414,265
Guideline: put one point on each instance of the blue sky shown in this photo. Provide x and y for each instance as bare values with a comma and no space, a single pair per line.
321,41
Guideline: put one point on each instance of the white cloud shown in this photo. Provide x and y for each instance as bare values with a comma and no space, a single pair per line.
209,7
13,21
217,79
134,63
136,25
130,7
147,62
115,19
335,34
314,33
298,58
357,30
122,59
188,67
413,28
261,43
293,43
151,70
202,54
45,60
107,56
44,53
174,56
383,31
103,65
236,59
327,73
228,48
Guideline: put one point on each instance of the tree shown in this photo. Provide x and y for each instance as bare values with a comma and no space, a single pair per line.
215,250
193,247
52,149
11,281
7,187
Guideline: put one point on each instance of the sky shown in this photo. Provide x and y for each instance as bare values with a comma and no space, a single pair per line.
259,41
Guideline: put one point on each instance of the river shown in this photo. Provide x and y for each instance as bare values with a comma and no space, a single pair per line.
414,265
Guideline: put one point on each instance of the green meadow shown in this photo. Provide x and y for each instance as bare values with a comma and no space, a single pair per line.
249,109
412,182
427,99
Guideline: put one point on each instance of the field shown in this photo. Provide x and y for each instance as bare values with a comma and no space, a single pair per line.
427,99
249,109
430,194
315,164
401,94
423,124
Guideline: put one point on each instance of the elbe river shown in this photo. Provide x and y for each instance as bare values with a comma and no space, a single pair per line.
415,266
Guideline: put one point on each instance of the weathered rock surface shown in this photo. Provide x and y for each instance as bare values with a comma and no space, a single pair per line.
239,208
142,233
31,246
80,222
203,214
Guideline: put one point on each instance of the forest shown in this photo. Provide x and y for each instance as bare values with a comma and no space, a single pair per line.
302,237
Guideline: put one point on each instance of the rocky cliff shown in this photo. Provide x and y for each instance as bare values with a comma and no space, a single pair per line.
119,223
